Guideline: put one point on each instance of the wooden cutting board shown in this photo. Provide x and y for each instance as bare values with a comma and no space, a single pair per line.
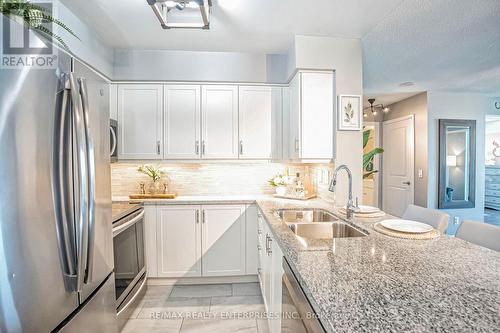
153,196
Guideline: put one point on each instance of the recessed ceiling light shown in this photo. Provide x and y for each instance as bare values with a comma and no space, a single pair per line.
407,84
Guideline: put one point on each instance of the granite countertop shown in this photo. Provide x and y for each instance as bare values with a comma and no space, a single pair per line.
380,283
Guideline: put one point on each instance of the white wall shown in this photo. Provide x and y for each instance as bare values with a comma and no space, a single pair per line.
89,48
164,65
446,105
343,56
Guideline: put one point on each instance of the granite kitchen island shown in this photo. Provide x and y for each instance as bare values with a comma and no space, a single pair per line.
380,283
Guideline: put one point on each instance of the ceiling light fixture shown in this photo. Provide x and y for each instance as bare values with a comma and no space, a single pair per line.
375,108
187,14
407,84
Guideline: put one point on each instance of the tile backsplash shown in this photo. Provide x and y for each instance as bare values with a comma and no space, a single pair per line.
230,178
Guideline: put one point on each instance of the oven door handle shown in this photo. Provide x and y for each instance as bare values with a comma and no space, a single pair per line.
119,229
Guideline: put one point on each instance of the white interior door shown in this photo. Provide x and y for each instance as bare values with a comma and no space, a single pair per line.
398,165
182,121
223,241
219,121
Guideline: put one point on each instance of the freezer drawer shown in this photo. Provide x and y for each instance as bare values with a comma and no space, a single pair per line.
98,314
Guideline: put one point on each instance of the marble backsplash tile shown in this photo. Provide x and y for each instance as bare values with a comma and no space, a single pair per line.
224,178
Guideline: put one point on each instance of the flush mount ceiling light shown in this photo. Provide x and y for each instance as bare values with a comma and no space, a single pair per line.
374,108
187,14
407,84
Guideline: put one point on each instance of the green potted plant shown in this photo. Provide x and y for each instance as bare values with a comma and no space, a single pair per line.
369,156
34,17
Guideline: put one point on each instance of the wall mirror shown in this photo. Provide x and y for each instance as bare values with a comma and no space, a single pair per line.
457,163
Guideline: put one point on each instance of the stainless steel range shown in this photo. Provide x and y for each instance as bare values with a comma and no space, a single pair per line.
130,268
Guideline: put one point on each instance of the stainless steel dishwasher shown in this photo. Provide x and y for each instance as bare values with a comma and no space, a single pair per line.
297,314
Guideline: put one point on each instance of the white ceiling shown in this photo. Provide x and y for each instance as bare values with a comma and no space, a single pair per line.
438,44
254,26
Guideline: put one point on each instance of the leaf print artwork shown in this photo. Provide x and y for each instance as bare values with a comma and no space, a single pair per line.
349,113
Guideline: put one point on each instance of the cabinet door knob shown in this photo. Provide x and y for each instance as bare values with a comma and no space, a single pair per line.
407,183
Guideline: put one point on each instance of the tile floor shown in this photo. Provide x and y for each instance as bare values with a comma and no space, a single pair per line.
492,216
220,308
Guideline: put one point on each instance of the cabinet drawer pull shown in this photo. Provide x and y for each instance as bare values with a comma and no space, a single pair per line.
197,147
203,147
197,216
158,148
241,147
203,216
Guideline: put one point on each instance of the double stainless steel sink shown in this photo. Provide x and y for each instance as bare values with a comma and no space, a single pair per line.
312,223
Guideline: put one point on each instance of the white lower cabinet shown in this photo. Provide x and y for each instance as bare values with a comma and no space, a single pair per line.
223,240
200,241
178,246
270,274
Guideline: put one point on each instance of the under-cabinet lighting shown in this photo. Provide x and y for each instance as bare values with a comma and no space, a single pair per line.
187,14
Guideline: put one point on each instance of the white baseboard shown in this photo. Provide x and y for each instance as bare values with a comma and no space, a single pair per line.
201,280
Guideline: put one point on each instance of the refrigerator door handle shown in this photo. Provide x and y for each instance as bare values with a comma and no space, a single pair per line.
91,181
81,172
62,188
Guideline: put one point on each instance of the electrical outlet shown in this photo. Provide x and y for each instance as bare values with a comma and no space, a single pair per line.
420,173
456,220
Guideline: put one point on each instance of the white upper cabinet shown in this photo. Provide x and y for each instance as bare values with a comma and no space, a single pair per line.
293,116
182,122
219,105
223,242
259,118
311,116
140,114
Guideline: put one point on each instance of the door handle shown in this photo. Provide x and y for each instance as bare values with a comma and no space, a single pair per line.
197,216
91,180
203,147
407,183
81,174
64,213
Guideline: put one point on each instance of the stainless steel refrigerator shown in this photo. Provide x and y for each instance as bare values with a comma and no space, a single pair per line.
56,247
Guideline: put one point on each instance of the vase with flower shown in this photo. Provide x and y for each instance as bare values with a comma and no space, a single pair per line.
156,174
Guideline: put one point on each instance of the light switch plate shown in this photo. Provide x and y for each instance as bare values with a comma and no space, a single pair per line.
420,173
